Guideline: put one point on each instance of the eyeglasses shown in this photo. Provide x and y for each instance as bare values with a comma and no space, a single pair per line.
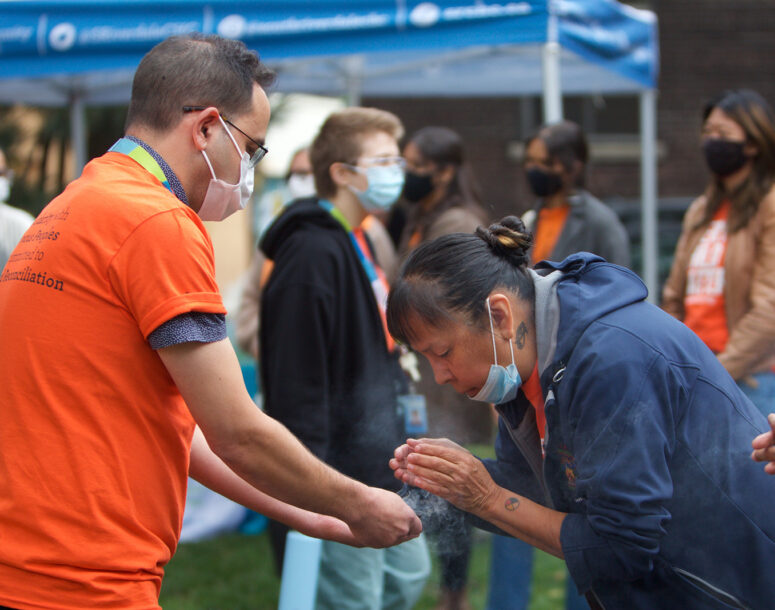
261,150
382,161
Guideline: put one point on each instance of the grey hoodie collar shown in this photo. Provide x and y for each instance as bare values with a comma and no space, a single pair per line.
547,316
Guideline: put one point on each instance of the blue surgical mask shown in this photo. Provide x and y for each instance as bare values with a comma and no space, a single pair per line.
502,382
385,185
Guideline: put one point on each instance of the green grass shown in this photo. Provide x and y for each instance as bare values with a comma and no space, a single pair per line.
235,572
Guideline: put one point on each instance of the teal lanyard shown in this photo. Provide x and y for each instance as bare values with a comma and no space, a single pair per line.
131,149
366,263
379,285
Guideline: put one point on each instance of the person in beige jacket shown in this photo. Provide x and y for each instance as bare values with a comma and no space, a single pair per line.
722,281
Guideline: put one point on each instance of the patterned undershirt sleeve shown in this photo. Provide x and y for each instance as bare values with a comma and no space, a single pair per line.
192,326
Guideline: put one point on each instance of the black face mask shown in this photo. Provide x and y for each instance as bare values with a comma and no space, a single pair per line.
724,157
543,183
417,186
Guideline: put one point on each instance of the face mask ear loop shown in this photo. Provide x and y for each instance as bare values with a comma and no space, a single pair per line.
511,347
204,154
362,172
492,333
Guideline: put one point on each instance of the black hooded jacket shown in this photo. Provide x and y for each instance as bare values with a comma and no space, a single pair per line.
325,369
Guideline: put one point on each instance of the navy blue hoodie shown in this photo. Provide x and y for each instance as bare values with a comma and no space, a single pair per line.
325,369
648,443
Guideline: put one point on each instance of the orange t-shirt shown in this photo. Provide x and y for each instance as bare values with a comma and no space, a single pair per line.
532,390
95,436
549,226
704,303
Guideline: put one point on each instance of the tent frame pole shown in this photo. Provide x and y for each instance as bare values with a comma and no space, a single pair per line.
353,66
78,131
550,59
648,180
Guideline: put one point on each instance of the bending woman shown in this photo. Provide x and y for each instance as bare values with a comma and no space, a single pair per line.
645,484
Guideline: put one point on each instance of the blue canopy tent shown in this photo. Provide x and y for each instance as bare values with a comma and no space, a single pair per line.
84,52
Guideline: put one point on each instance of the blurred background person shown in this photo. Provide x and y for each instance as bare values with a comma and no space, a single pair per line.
13,221
440,197
568,219
299,184
722,282
440,188
329,369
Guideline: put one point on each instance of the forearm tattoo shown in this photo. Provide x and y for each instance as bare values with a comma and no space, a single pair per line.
521,335
511,504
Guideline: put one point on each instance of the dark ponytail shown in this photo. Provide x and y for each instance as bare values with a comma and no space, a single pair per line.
454,274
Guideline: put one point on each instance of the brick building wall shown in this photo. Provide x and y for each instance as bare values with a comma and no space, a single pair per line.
706,46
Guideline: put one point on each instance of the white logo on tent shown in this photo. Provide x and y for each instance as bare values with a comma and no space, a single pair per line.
62,36
424,15
232,26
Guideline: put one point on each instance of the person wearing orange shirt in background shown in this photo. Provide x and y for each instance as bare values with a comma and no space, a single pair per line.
117,379
568,219
722,281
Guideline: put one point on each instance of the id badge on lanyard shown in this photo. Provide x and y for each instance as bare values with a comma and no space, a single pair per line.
415,414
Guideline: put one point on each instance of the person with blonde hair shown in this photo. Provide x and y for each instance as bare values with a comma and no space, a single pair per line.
330,371
722,281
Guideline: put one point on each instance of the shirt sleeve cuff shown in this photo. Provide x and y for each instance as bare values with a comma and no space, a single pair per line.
191,326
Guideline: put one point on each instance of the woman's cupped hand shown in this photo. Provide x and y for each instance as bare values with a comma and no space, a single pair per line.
447,470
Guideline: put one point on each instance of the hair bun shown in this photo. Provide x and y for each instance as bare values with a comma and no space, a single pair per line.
508,239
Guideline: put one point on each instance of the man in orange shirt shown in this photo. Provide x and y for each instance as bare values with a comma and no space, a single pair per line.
116,376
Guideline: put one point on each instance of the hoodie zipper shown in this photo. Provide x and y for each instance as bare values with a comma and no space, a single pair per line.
713,591
536,465
530,456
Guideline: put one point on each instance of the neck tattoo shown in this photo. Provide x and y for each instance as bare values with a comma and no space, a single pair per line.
521,335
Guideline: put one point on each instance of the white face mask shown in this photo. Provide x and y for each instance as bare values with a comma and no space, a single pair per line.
301,185
223,199
5,188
